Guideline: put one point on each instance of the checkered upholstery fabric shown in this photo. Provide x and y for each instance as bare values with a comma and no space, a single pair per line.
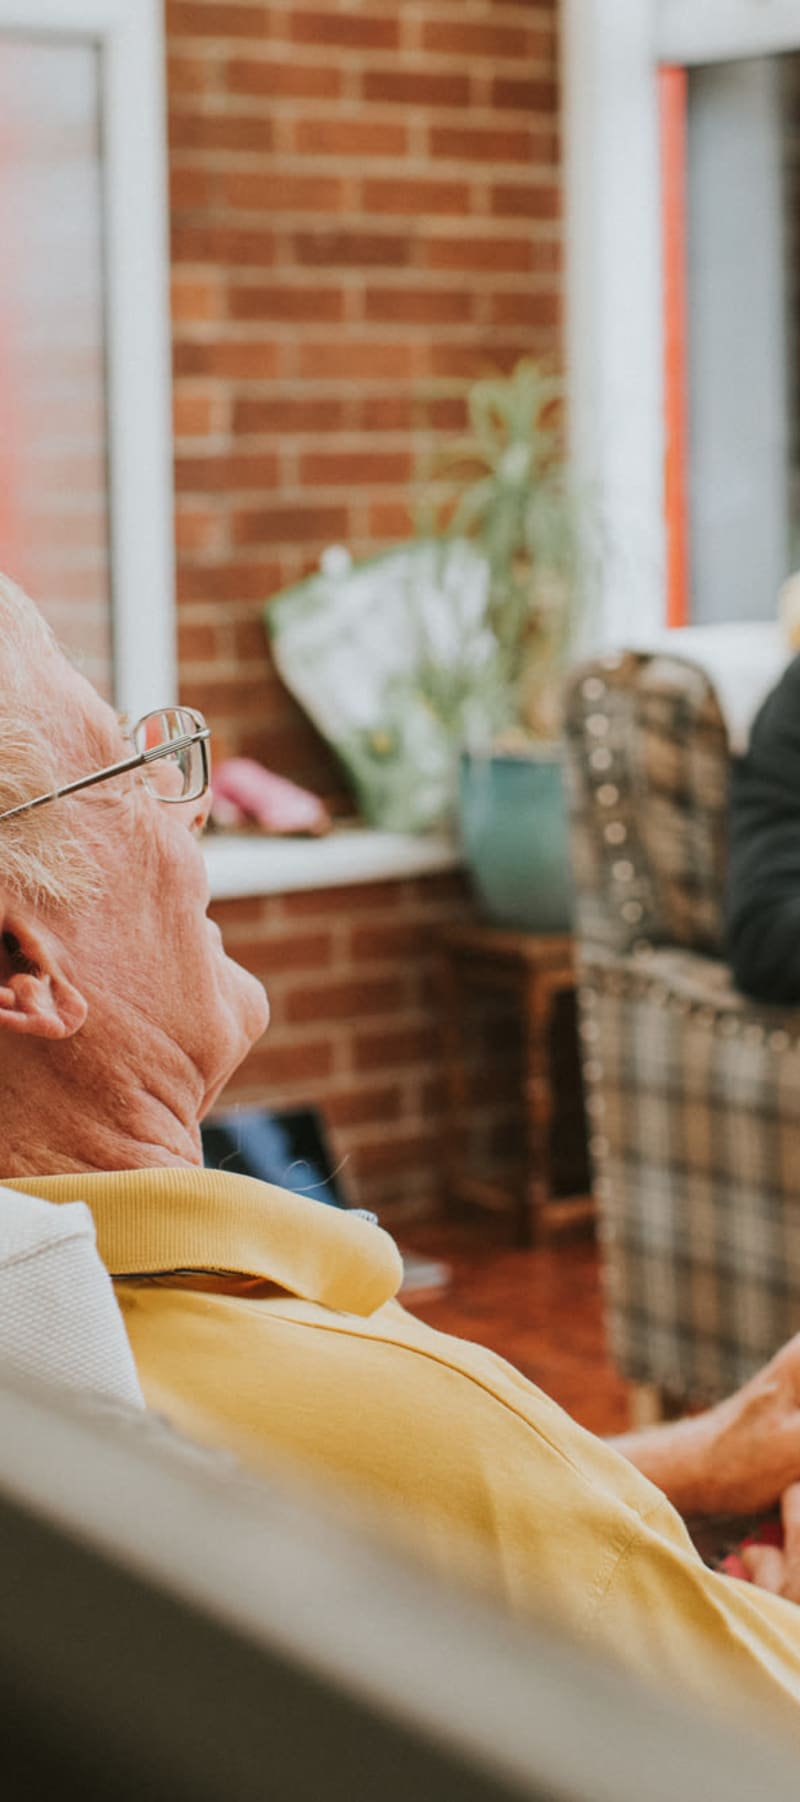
693,1091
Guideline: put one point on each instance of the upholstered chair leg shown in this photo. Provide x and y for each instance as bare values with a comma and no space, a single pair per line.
648,1405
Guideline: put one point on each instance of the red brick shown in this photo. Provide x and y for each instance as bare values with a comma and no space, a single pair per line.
249,640
356,31
288,414
351,249
388,941
432,1098
222,244
534,94
191,414
349,361
193,299
190,189
390,520
393,1153
243,909
475,144
526,309
249,361
273,955
217,131
274,191
512,255
388,412
286,524
354,468
360,1106
281,301
300,81
527,201
467,38
229,582
349,1000
190,75
393,1048
415,196
418,87
281,1063
227,19
465,361
448,412
209,475
217,695
197,529
196,643
349,137
419,306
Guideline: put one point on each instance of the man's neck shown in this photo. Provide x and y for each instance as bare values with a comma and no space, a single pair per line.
59,1115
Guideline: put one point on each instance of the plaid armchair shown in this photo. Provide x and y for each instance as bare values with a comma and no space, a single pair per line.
693,1091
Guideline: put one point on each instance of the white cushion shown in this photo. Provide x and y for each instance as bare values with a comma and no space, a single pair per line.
59,1319
743,660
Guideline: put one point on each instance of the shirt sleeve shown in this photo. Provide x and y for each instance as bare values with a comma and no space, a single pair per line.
59,1317
734,1646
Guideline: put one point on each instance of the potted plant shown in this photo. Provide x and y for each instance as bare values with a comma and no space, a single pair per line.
434,669
504,487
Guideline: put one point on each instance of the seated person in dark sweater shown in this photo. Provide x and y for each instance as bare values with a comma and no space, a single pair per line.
763,890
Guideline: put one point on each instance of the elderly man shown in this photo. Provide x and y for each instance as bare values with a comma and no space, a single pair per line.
264,1323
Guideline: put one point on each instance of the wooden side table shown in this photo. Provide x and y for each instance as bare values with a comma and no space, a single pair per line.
535,968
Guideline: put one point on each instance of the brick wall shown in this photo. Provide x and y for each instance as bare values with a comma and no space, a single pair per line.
354,1029
365,215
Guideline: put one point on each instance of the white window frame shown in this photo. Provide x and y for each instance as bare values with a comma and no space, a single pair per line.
129,35
614,319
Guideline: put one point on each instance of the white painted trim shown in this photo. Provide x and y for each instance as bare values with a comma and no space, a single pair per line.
739,522
143,533
707,31
130,36
278,866
614,301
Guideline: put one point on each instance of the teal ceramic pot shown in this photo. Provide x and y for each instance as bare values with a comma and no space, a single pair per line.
513,824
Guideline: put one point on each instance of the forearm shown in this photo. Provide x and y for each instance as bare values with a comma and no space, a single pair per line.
735,1458
677,1456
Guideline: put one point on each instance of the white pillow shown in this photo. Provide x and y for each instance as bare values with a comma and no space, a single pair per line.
743,659
59,1319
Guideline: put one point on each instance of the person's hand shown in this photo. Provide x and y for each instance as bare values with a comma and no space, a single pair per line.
772,1567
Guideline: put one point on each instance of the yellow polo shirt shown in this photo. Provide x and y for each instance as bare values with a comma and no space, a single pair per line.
266,1323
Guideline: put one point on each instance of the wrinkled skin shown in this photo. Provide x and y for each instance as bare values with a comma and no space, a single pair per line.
120,1019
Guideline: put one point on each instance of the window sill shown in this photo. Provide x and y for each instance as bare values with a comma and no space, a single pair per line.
239,866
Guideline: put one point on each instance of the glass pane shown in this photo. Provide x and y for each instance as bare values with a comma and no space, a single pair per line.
54,514
743,226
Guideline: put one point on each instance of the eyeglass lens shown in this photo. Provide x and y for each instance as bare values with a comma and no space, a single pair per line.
179,776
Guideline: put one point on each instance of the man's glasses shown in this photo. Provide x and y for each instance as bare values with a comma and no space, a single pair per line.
171,751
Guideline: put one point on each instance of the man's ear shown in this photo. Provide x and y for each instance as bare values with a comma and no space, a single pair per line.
36,995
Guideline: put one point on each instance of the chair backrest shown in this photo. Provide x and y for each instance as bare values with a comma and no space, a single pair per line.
176,1629
647,767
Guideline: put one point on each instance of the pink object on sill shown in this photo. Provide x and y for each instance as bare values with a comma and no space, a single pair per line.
243,791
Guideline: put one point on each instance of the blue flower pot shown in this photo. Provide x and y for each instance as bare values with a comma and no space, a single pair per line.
513,824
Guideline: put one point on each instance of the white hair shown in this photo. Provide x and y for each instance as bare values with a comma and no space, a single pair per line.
41,859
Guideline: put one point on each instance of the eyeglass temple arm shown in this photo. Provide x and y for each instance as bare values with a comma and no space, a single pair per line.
113,769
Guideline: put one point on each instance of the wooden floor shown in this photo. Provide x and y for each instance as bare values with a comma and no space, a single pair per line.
541,1309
